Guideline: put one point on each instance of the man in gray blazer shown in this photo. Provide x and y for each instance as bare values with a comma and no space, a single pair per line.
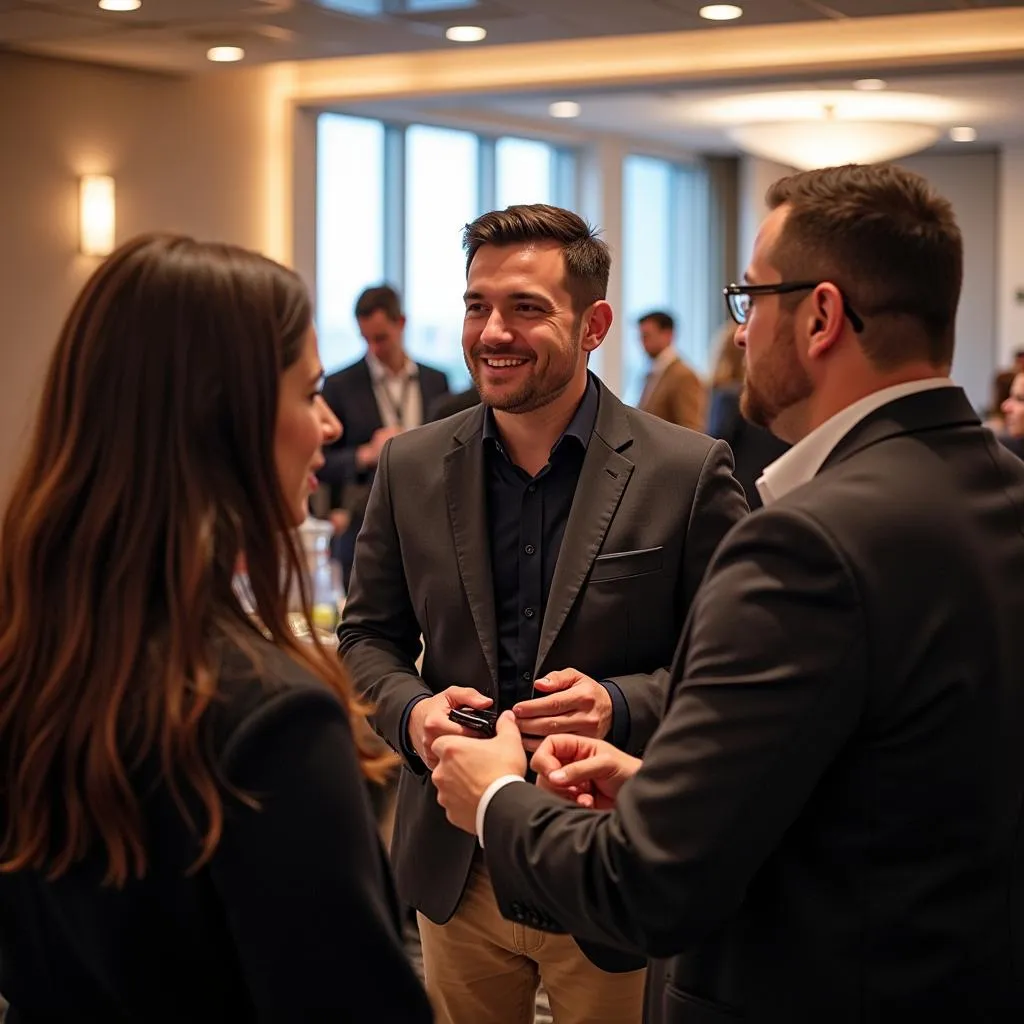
827,824
546,546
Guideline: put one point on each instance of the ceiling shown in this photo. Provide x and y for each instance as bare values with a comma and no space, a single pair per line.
173,35
695,118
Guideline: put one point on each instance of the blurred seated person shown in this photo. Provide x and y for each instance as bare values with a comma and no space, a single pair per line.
449,405
186,831
375,398
753,448
672,390
1012,435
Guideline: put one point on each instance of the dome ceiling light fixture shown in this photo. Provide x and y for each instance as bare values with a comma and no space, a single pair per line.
832,141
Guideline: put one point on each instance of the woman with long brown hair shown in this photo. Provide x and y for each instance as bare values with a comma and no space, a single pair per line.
185,832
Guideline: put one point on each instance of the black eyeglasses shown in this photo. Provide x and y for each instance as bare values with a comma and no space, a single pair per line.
738,296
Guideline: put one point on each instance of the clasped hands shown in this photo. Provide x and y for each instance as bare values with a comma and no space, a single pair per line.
562,728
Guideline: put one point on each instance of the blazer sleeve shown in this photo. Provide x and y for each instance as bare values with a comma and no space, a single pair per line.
772,688
718,504
689,401
379,635
303,878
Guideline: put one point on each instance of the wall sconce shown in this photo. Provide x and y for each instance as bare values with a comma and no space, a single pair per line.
96,215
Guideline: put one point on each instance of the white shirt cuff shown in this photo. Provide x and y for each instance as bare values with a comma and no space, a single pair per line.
485,800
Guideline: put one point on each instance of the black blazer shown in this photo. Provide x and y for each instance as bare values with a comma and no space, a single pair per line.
652,503
349,393
827,824
293,919
752,447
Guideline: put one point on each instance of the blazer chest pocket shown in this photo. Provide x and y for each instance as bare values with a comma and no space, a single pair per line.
623,564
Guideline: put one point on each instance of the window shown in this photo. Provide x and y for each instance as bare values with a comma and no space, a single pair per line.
665,264
392,201
350,229
441,196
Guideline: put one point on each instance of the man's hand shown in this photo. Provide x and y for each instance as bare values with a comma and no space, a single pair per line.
588,771
464,769
367,455
429,719
575,703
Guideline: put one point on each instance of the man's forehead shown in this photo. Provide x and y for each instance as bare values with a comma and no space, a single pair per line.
520,266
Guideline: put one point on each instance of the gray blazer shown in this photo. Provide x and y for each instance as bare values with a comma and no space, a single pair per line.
827,825
652,503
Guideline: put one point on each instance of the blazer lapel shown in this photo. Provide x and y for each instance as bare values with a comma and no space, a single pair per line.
467,510
603,479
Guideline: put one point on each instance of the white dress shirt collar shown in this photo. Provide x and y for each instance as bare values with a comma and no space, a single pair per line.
379,372
802,462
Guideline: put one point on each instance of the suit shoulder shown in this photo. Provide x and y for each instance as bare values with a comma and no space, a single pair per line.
353,371
431,371
432,439
670,439
259,684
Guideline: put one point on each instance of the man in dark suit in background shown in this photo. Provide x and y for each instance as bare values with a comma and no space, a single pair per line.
376,398
546,546
826,826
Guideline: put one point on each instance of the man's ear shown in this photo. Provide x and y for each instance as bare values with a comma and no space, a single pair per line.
829,319
597,322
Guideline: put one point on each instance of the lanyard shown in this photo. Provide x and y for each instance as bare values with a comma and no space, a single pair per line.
397,409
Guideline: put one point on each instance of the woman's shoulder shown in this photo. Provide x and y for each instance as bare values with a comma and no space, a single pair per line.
260,684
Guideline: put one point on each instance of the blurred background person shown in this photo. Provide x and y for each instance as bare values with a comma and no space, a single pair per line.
672,390
1002,383
1012,435
753,447
186,830
375,398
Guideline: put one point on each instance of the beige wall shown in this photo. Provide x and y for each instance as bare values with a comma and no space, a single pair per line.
198,156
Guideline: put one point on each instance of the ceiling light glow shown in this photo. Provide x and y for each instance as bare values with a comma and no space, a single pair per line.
120,5
963,134
721,12
225,54
564,108
870,84
466,34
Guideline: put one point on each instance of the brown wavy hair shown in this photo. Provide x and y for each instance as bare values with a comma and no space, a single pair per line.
149,475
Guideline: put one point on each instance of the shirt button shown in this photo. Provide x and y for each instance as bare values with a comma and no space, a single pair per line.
528,612
530,549
526,677
531,489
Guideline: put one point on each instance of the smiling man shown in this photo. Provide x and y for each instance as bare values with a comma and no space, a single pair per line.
546,546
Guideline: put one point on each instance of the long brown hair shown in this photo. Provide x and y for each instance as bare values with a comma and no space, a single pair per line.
150,472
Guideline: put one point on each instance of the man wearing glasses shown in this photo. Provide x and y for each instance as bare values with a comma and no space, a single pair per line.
825,826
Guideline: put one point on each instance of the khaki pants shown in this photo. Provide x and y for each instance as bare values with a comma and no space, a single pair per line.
481,969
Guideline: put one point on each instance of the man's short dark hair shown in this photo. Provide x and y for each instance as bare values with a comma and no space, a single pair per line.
379,297
663,321
587,259
889,241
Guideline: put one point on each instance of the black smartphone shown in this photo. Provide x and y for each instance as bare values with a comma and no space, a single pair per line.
472,718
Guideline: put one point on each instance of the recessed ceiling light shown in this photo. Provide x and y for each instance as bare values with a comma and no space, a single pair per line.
225,54
963,134
870,84
466,33
721,12
564,108
120,5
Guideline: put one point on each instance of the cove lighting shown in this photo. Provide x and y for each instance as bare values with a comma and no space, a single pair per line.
120,5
